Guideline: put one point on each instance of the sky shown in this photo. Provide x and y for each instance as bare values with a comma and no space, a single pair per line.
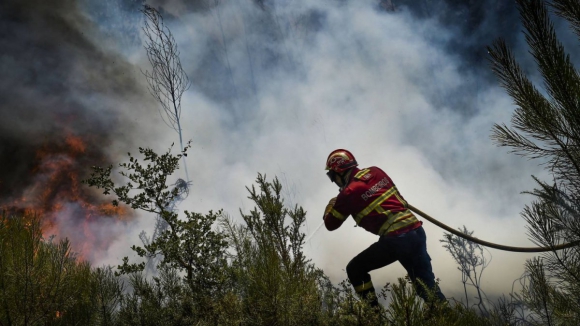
276,86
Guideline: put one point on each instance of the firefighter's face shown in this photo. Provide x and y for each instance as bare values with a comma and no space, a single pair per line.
336,178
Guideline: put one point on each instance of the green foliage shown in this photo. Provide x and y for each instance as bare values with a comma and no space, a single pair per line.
150,181
272,278
257,274
251,273
107,292
405,308
546,125
189,245
267,224
349,309
262,279
41,282
164,300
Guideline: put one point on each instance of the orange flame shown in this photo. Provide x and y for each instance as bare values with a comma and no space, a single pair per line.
68,208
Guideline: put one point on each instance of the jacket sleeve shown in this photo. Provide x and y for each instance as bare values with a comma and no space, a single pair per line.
336,214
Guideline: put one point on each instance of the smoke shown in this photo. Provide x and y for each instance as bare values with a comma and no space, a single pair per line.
66,103
50,71
277,85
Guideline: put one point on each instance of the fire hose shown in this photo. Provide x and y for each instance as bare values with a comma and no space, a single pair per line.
476,240
490,244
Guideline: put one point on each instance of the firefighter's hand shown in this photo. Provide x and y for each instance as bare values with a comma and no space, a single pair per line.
329,206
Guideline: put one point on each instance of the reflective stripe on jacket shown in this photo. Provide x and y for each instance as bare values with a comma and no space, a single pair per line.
374,202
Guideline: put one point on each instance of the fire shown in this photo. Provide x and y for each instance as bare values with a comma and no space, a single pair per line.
66,206
76,144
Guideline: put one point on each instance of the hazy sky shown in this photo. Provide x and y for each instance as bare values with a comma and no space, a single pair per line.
276,86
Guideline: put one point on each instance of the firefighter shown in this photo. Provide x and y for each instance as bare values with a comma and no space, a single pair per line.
372,199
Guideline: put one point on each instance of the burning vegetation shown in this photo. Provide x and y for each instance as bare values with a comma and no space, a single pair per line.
65,206
60,113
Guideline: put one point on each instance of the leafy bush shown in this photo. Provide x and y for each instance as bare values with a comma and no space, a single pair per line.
274,281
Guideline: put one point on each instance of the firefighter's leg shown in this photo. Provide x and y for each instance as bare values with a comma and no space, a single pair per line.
375,256
417,262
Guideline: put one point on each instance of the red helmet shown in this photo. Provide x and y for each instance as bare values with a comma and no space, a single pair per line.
340,160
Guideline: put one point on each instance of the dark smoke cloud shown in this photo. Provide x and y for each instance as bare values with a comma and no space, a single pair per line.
53,78
476,24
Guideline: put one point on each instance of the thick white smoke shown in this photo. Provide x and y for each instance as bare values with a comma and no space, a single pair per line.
276,88
279,84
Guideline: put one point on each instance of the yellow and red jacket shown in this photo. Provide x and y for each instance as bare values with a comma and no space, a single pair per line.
374,202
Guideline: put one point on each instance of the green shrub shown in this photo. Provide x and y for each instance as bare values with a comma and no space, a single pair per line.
41,282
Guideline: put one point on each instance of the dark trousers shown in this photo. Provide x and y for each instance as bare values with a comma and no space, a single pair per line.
410,249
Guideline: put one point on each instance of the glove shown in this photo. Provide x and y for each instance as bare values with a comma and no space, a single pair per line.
329,206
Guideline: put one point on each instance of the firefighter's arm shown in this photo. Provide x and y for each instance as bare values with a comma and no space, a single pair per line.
332,218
